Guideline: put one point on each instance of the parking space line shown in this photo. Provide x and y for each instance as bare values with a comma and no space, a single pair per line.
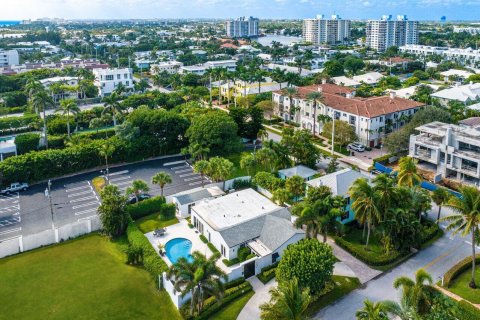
195,183
173,163
83,199
85,211
179,167
85,204
77,188
185,170
123,183
86,218
10,231
192,179
79,193
117,173
188,175
8,197
75,184
120,178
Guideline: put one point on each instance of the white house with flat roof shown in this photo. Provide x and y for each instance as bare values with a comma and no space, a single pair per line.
246,219
107,80
184,201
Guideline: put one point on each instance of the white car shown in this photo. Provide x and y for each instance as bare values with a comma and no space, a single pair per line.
14,187
356,147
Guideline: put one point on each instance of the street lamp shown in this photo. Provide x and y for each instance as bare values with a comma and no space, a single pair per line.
48,194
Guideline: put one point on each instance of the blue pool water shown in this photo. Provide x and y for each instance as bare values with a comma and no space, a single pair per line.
178,248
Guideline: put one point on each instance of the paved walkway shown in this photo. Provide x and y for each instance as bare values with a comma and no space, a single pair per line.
251,311
363,272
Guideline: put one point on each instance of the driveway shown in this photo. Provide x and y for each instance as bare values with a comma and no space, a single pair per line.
251,310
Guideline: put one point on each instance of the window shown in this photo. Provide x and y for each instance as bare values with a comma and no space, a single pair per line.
109,77
118,77
275,257
125,76
127,83
222,250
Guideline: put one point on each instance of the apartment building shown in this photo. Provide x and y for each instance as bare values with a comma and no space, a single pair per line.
372,118
452,151
465,56
8,58
201,69
242,27
107,80
470,30
170,67
322,30
388,32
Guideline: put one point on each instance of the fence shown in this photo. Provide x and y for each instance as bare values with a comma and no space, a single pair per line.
22,243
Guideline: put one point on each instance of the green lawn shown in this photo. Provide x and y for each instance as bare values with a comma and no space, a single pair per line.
152,222
355,237
460,286
238,171
343,286
232,310
85,278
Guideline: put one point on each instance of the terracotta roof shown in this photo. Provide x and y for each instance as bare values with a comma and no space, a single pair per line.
471,122
335,97
399,60
229,45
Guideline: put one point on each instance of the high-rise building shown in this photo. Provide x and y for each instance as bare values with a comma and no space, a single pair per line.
329,31
387,32
8,58
242,27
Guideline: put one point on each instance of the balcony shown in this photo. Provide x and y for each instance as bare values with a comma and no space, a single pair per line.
469,170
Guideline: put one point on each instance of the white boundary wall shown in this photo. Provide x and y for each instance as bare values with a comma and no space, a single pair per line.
19,244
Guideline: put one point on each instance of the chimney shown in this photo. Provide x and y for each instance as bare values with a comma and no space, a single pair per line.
320,89
348,95
392,95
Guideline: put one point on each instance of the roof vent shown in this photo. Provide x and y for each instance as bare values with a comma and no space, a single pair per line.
263,208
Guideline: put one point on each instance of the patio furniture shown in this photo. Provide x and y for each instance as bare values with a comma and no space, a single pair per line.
159,232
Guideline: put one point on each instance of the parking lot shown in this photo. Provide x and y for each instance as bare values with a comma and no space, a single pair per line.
10,214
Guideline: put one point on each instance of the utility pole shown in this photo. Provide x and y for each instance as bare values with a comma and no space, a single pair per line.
333,134
48,194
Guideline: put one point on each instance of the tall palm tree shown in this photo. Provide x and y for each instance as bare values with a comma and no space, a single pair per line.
384,186
161,178
201,278
137,188
67,107
407,174
365,204
279,76
220,169
106,151
41,101
402,311
287,302
371,311
112,105
416,291
32,87
314,97
440,196
201,167
467,219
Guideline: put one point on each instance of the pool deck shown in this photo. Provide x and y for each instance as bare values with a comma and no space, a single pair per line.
181,230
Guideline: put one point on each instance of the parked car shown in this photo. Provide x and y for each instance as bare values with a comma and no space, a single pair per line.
141,197
375,172
356,147
14,187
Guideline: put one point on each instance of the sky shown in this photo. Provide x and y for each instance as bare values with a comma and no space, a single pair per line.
287,9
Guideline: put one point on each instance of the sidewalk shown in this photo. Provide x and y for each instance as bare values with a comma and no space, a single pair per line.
251,310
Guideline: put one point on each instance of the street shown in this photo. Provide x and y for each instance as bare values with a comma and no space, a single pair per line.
74,198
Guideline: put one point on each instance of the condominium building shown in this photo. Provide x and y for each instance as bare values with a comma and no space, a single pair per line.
388,32
8,58
372,118
107,80
322,30
170,67
242,27
201,69
452,151
467,55
471,30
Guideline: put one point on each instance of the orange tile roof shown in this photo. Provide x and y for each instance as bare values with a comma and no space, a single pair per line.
335,97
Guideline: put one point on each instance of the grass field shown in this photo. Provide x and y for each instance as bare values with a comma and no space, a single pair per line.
232,310
86,278
238,171
460,286
152,222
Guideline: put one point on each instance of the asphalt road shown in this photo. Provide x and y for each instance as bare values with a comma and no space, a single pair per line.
74,198
436,259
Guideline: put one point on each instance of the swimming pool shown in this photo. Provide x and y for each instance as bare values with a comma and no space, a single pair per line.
178,248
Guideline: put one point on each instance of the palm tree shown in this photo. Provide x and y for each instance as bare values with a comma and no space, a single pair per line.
278,75
416,291
200,278
384,186
112,104
248,162
106,151
161,178
41,101
137,188
280,196
402,310
466,219
407,174
287,302
201,167
67,107
440,196
32,87
371,311
220,169
365,204
262,135
314,97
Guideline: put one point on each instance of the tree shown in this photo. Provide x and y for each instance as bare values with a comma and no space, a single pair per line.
371,311
295,185
310,261
344,133
384,187
407,173
248,162
201,277
333,68
201,167
106,150
137,188
364,204
216,131
67,107
161,179
332,165
280,196
267,157
299,144
353,64
287,302
466,219
112,211
415,291
41,101
219,169
96,123
440,196
315,97
113,106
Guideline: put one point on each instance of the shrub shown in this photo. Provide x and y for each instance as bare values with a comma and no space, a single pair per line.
240,184
383,159
27,142
457,269
151,260
467,310
56,142
58,124
134,255
231,262
213,249
266,276
243,253
167,211
429,231
203,238
370,259
146,207
30,120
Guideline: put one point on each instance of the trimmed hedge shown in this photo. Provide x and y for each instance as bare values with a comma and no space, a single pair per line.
203,238
268,273
212,248
457,269
151,260
30,120
146,207
364,256
27,142
467,310
167,211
